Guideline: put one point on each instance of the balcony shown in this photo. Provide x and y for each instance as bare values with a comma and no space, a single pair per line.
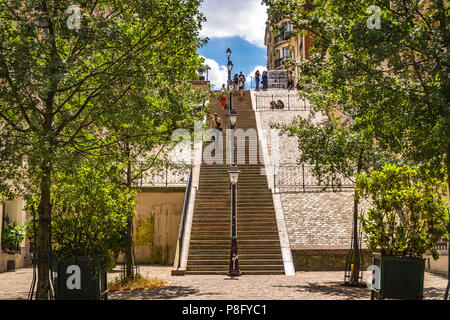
282,37
279,62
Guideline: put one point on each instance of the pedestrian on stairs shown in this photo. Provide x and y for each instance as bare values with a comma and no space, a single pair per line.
216,124
265,80
235,82
257,79
241,84
223,97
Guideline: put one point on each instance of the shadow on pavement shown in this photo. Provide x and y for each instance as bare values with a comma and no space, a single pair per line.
165,293
332,290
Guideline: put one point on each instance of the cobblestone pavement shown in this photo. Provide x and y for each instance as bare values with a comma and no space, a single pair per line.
302,286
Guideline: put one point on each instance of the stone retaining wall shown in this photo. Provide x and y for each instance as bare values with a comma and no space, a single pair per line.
319,224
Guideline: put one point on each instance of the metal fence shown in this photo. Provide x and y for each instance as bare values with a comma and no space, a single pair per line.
291,101
167,176
298,178
442,246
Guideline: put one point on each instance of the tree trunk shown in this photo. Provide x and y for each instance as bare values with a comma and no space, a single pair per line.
356,257
447,161
129,256
44,244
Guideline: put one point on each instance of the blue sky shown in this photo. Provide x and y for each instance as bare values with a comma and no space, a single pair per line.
245,37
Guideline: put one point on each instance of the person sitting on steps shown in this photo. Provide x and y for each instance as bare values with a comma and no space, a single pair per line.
280,104
273,105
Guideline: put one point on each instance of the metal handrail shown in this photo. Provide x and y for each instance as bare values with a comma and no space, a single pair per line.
303,180
183,216
291,101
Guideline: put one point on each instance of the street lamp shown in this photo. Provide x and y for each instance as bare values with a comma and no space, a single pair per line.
230,67
233,270
233,118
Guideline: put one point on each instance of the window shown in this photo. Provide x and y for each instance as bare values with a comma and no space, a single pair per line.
286,52
289,28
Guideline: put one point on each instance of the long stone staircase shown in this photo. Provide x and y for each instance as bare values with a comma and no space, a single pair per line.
258,242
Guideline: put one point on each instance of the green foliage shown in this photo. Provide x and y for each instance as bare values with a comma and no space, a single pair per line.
89,211
392,81
112,89
12,237
221,93
409,214
334,152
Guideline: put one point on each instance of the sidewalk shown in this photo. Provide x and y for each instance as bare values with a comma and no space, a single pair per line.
302,286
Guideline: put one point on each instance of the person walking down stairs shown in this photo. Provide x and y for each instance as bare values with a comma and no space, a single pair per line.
241,85
223,97
217,124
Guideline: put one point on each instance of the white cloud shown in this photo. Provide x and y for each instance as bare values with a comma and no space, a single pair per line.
218,75
243,18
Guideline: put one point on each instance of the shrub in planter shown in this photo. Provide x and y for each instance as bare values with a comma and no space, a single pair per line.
408,218
89,219
12,237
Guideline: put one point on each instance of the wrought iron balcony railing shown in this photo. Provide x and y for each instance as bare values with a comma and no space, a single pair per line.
282,37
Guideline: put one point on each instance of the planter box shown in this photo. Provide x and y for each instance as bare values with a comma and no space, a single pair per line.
78,279
400,277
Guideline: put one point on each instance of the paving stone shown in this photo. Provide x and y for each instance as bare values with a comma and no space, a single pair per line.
302,286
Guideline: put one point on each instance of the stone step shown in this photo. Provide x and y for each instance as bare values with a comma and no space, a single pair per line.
244,273
226,255
249,268
241,237
242,262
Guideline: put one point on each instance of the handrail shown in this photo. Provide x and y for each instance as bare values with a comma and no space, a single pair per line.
301,180
183,216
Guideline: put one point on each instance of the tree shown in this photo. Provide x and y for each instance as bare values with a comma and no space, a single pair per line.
409,216
392,80
337,153
61,71
89,210
142,129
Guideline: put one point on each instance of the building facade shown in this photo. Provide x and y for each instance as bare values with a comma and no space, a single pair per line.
290,44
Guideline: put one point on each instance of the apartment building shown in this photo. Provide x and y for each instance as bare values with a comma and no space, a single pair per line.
289,44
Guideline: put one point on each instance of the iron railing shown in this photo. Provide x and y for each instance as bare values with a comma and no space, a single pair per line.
291,101
279,62
298,178
282,37
187,197
169,176
441,246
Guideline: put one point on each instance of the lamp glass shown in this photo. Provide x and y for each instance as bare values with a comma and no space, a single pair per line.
234,174
228,52
233,119
234,177
230,66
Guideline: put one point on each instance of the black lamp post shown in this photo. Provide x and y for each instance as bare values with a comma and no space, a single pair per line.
233,270
230,67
